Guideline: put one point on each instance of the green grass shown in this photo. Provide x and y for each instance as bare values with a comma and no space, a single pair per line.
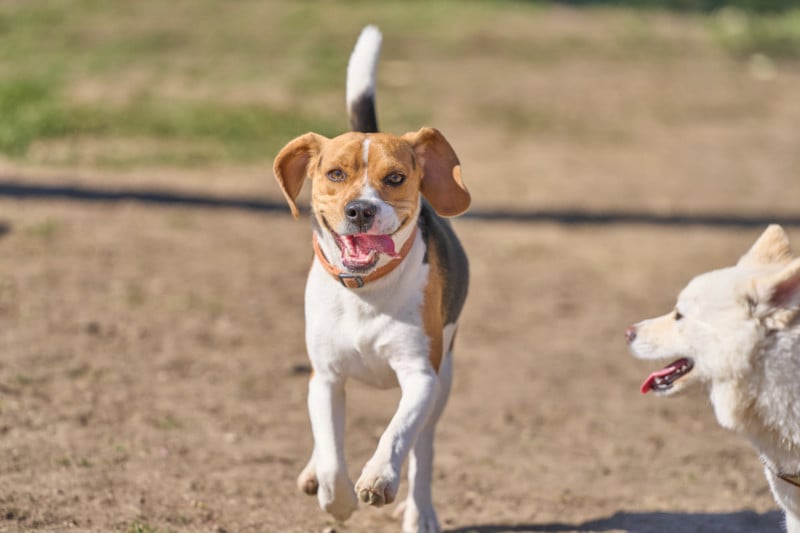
35,110
744,34
188,83
162,74
198,83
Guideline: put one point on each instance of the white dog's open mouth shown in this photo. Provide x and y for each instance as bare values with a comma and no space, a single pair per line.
360,251
662,380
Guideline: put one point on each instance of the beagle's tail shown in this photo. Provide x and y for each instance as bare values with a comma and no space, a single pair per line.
361,81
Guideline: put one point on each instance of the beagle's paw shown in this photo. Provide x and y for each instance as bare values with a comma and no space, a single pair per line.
377,486
307,480
335,495
417,520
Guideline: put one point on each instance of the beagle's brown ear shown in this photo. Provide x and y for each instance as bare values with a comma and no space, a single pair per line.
291,165
441,179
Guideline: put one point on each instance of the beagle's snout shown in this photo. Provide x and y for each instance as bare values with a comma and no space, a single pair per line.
361,213
630,334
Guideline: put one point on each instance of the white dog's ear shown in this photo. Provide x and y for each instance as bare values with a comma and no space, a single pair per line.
770,249
441,179
291,165
778,295
782,289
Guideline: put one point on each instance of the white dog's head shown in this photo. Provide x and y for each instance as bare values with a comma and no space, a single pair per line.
722,318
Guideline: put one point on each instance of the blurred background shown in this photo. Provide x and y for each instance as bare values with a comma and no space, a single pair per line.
152,364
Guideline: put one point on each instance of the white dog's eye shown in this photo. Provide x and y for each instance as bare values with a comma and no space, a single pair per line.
678,315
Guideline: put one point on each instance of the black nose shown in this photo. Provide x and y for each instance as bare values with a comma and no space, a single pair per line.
361,213
630,334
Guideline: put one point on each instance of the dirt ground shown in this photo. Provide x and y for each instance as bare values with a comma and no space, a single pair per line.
152,365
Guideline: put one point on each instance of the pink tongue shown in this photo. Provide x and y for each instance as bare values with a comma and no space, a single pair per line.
359,246
667,370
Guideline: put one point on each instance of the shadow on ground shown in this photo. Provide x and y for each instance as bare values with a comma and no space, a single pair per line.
22,191
656,522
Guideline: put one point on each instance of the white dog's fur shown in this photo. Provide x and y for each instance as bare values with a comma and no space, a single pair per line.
740,328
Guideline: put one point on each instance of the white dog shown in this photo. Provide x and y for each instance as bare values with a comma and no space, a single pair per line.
737,331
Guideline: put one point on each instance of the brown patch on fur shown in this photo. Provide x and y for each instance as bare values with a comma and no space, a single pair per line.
432,313
292,163
441,184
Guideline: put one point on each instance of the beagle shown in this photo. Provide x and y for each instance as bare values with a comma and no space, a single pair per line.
386,286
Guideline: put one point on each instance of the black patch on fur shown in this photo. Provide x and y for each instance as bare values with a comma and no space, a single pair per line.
423,228
438,233
362,114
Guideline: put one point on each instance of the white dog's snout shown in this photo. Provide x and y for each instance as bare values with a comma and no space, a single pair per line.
630,334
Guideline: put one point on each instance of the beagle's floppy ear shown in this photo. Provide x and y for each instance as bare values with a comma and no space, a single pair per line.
291,165
441,179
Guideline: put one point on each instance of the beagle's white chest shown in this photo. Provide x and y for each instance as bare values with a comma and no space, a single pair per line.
366,333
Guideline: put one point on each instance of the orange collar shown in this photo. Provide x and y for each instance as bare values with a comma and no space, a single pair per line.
354,281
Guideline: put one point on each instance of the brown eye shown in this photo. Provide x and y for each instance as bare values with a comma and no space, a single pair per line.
337,174
394,179
678,315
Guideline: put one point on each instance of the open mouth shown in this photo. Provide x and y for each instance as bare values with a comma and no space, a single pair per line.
662,380
360,251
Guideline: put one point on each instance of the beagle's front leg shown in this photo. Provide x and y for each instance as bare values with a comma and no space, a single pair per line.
326,409
381,475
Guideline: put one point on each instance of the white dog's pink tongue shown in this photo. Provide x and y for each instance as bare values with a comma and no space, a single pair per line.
647,386
358,248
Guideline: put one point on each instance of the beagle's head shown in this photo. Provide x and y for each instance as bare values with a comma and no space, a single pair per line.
366,189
